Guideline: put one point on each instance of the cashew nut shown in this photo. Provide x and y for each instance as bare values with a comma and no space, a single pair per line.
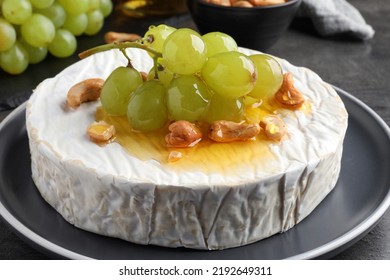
246,3
228,131
274,127
266,2
144,76
174,156
220,2
84,91
101,132
288,95
183,134
242,3
112,37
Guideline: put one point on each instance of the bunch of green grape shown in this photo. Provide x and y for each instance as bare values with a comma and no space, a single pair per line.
195,78
30,29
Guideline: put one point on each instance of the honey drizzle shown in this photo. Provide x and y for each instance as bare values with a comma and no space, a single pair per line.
207,156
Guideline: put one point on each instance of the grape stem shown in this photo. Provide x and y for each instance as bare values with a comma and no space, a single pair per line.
129,64
155,67
121,46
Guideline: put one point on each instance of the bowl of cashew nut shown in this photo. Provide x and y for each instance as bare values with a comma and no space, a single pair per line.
255,24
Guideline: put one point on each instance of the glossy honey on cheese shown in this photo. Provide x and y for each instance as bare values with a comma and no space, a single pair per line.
205,156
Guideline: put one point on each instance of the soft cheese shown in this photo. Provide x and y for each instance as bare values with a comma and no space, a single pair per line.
108,191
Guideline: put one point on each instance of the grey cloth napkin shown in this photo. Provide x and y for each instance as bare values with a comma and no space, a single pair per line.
335,17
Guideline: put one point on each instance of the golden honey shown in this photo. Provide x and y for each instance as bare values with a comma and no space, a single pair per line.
206,156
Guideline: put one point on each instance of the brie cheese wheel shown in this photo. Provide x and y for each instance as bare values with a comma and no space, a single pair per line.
250,194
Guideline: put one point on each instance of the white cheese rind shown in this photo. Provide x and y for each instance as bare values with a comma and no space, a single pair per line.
107,191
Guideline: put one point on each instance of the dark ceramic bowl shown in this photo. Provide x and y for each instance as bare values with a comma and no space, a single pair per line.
256,28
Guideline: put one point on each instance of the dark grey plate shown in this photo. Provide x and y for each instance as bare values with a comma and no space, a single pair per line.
361,197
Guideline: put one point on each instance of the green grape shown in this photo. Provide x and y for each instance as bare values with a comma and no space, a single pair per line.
184,52
93,5
164,75
218,42
56,13
64,44
38,31
95,22
7,35
14,60
117,89
231,74
35,55
156,35
16,11
76,24
41,4
75,7
222,108
270,76
147,110
187,98
106,7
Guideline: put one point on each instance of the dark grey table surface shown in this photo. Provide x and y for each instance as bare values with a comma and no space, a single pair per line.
360,68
